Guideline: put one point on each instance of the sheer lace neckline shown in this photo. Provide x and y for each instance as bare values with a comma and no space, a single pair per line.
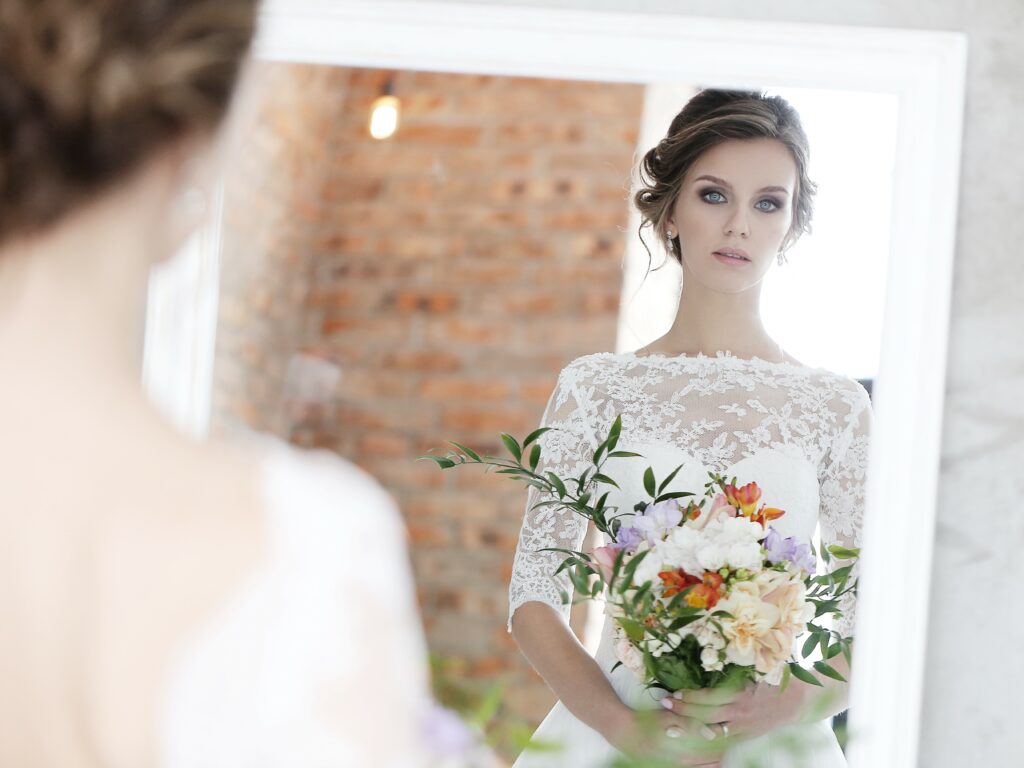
720,356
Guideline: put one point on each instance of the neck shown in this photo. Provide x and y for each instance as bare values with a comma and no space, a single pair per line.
710,321
72,303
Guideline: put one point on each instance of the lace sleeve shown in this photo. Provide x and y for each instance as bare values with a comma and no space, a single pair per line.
842,489
566,450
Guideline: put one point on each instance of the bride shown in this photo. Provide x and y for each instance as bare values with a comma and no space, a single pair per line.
727,192
163,602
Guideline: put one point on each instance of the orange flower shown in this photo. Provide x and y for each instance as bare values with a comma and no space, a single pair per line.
676,581
744,498
707,594
713,579
767,514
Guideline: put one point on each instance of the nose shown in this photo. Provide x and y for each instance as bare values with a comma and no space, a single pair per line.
737,223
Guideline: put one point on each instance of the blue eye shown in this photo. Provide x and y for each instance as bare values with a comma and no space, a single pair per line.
771,200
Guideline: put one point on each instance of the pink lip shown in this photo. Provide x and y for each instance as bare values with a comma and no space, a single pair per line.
734,252
730,260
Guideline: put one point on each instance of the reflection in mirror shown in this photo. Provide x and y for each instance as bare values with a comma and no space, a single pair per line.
379,296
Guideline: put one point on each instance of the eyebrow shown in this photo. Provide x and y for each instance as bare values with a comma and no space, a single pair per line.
725,183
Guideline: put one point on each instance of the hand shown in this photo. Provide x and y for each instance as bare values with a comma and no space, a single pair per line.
644,734
749,712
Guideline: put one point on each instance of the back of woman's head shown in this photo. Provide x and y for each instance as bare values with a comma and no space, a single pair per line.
711,117
92,89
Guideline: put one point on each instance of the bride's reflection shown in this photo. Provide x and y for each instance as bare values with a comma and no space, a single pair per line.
449,271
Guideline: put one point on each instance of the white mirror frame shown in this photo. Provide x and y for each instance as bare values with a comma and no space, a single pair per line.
925,69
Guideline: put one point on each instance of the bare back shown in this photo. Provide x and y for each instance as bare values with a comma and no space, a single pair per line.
115,545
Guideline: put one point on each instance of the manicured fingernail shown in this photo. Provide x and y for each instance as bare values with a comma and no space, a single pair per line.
666,703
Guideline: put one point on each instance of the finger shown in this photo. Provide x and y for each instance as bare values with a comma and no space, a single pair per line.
703,712
709,696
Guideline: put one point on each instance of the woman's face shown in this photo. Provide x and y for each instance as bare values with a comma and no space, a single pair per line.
738,194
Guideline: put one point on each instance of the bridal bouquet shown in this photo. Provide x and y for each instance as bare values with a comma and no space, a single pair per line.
704,592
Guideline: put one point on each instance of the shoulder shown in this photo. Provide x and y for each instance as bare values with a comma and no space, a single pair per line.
316,493
589,365
847,403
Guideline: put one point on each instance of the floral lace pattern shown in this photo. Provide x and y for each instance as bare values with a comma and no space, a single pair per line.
719,409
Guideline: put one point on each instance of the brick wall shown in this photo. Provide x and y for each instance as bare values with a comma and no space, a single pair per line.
448,273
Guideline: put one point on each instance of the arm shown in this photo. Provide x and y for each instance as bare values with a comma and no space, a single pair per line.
841,518
538,620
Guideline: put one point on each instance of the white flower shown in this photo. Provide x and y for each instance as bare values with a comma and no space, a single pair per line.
681,549
648,569
711,557
751,632
707,634
630,656
745,555
741,529
710,660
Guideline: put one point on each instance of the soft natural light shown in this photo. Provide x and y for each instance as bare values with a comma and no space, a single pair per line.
826,304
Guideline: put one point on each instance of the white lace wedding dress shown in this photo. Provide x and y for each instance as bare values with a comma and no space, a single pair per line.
802,433
319,660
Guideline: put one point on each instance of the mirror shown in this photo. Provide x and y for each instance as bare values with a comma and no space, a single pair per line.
378,297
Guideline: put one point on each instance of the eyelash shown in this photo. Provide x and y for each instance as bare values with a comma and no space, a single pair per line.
771,200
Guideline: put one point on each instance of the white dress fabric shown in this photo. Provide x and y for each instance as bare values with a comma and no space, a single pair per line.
802,433
319,660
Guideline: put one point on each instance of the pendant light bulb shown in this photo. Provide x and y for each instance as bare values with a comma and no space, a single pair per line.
384,117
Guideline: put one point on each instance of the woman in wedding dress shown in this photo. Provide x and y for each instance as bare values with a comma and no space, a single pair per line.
164,602
727,193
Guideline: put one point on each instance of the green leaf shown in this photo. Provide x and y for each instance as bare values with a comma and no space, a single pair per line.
624,455
667,480
488,707
634,629
786,675
557,482
673,495
829,671
512,445
802,674
833,650
534,456
842,552
649,482
601,478
534,435
442,462
468,451
809,644
613,434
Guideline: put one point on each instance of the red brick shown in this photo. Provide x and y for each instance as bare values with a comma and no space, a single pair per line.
450,272
456,388
450,135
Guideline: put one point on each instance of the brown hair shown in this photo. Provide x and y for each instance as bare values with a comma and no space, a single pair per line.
712,116
90,90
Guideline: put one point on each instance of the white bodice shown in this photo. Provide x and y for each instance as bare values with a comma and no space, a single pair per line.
301,669
802,433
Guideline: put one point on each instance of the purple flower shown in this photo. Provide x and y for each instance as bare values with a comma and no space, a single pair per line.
788,550
804,558
627,539
658,518
445,732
